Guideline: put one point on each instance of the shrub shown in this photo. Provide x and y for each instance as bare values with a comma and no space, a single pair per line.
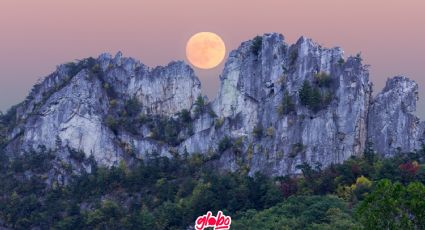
75,68
250,152
184,116
132,107
200,105
112,123
257,44
286,106
77,155
110,91
96,69
238,146
144,118
211,111
288,186
312,98
359,57
224,144
106,85
10,117
322,79
218,123
315,100
165,129
270,131
295,149
113,103
258,130
282,79
327,98
305,93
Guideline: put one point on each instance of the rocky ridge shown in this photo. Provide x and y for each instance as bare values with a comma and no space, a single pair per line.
278,106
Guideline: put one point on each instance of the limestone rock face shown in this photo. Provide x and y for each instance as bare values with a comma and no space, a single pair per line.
278,105
68,109
252,90
392,126
161,90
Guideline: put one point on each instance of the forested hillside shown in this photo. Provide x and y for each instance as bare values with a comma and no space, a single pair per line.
162,193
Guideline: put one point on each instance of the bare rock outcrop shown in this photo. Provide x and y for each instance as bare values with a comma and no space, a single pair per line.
279,105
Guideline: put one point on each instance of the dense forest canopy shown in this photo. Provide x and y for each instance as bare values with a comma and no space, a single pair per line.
366,192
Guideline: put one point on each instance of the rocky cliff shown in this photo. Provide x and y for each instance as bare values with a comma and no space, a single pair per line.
278,106
392,127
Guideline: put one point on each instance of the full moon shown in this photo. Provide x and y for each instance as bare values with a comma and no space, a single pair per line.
205,50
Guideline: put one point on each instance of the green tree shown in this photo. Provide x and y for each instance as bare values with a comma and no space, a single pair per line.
257,131
315,99
108,216
323,79
185,116
257,44
393,206
369,153
286,106
225,144
132,107
200,105
336,219
305,93
147,220
299,212
168,216
416,203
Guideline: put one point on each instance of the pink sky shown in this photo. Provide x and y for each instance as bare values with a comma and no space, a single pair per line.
35,36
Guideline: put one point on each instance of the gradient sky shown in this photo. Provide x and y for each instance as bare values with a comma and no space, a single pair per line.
35,36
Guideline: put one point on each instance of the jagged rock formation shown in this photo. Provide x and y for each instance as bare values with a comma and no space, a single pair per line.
278,105
68,108
253,85
392,127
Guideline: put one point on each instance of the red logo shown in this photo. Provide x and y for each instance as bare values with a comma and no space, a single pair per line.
210,221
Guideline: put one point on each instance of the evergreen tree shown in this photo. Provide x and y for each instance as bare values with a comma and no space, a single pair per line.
315,99
200,105
287,106
305,93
